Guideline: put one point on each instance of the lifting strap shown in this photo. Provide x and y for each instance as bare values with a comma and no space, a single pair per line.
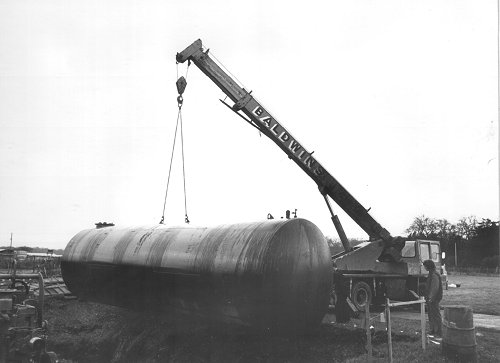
181,86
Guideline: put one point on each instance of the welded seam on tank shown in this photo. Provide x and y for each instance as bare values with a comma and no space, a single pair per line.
141,241
93,244
252,251
230,239
277,255
258,265
123,243
279,250
160,245
254,237
217,260
88,241
233,243
206,253
71,249
310,285
312,246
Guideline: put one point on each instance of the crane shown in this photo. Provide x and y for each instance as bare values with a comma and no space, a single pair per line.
245,105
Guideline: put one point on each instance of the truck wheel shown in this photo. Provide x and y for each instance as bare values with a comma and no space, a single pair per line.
361,294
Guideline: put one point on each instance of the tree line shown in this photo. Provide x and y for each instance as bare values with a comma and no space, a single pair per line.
476,242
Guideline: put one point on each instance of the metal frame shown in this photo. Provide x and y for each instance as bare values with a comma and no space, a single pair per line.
388,305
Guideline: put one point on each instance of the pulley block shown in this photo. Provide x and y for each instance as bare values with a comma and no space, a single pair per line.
181,85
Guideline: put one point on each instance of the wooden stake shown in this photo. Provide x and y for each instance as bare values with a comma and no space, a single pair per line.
389,334
368,332
422,324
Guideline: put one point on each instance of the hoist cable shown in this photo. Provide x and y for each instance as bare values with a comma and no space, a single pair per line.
186,219
170,167
179,120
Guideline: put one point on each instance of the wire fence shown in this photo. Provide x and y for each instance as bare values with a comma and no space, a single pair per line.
460,270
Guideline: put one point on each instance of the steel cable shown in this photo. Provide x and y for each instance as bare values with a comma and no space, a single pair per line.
180,101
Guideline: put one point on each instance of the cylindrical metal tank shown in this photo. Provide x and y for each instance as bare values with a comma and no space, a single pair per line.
274,274
459,334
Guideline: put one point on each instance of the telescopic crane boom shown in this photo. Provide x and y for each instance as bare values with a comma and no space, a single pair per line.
261,118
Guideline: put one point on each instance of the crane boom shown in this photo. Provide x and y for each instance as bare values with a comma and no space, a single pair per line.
269,126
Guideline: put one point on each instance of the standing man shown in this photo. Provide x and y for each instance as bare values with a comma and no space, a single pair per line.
434,294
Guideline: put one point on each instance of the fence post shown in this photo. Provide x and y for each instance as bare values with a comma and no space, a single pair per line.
422,324
368,332
389,334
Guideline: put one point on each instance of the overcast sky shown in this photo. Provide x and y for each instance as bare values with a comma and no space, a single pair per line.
398,99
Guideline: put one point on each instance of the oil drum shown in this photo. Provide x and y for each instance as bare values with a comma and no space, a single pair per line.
272,274
459,334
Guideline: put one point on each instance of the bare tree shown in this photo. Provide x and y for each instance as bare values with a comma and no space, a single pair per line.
466,227
423,227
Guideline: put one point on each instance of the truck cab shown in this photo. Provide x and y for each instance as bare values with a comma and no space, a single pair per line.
414,253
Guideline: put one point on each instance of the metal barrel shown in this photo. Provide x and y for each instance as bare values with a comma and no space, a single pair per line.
459,334
273,275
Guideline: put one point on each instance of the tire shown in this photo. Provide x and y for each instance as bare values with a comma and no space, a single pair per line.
361,294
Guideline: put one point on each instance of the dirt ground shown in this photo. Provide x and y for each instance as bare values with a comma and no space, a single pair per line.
90,332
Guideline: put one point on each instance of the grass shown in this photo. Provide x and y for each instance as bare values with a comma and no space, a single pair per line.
482,293
406,343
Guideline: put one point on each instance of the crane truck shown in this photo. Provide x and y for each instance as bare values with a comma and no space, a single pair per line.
383,266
